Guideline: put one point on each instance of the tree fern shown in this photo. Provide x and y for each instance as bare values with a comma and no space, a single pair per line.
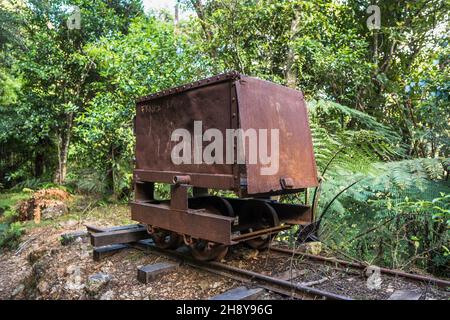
398,194
363,139
387,217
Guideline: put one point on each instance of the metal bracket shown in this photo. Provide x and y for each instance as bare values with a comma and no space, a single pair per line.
287,183
179,197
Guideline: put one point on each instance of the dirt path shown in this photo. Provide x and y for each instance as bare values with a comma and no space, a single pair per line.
45,269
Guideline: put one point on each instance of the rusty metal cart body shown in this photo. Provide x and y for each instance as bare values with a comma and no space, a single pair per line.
211,223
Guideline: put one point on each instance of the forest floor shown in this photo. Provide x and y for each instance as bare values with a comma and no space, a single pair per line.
42,268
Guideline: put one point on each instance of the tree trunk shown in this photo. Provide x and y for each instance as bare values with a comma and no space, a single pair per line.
38,164
63,150
176,18
208,34
110,172
39,157
291,71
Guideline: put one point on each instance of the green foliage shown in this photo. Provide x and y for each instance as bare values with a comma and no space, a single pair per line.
35,184
87,181
55,76
428,86
150,58
9,88
9,199
10,235
162,191
358,138
376,219
10,231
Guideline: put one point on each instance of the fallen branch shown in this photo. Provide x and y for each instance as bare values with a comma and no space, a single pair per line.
312,283
23,245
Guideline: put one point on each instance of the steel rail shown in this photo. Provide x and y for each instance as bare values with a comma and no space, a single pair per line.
416,277
428,279
276,285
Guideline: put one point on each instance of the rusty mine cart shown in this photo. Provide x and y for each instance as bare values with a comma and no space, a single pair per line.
210,224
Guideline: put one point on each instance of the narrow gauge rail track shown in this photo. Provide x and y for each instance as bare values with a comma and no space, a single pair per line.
133,237
416,277
282,287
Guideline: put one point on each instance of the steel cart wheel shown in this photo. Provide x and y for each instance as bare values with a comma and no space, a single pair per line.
165,239
258,215
212,204
204,250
